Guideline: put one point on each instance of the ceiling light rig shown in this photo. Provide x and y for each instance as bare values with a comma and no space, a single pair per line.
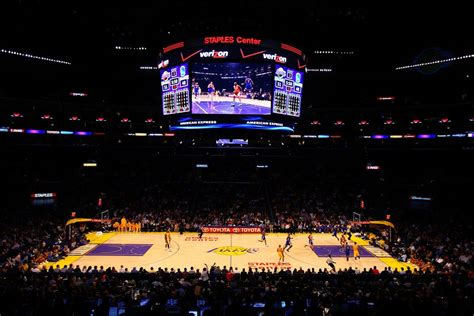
130,48
333,52
439,61
11,52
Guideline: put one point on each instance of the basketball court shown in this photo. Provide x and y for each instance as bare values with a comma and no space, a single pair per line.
147,250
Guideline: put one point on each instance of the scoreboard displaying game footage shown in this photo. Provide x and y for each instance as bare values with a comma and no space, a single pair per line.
288,91
231,88
175,89
237,81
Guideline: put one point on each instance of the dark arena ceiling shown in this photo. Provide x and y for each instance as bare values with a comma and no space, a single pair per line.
361,45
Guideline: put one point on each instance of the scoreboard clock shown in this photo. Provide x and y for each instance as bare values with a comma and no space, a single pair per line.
175,89
287,91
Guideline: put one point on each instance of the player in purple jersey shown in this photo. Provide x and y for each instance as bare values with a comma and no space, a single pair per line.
248,87
264,237
196,90
211,90
310,241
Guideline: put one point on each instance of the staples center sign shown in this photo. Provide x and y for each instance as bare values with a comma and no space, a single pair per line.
231,40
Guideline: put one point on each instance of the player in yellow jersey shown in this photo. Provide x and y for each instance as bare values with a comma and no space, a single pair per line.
343,241
123,224
281,254
355,247
167,239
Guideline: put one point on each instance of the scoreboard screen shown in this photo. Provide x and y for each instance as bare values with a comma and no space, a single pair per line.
231,81
287,91
231,88
175,89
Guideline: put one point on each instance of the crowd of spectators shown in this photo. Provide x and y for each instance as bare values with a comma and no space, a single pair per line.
441,286
39,240
231,291
444,248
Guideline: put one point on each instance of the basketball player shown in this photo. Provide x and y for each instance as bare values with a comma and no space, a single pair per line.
211,90
200,232
281,254
248,87
263,238
288,243
237,90
196,90
168,239
343,241
310,241
330,261
355,247
123,224
348,251
116,226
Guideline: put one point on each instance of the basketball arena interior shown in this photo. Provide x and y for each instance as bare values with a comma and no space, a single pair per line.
246,158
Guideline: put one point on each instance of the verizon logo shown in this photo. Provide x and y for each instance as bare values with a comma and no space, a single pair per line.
275,57
214,54
163,64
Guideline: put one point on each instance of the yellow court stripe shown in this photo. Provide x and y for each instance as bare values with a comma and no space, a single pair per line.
99,238
360,241
394,263
63,262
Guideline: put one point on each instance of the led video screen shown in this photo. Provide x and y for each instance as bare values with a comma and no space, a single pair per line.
230,142
231,88
175,89
288,91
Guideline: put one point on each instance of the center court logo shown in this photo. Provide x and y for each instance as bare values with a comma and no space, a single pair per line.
233,250
214,54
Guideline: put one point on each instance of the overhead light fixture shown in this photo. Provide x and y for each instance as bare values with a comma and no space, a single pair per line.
11,52
439,61
46,117
333,52
130,48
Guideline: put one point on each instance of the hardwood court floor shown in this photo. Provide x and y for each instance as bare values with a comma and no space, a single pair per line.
237,250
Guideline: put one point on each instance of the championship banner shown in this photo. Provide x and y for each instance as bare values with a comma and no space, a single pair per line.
232,230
